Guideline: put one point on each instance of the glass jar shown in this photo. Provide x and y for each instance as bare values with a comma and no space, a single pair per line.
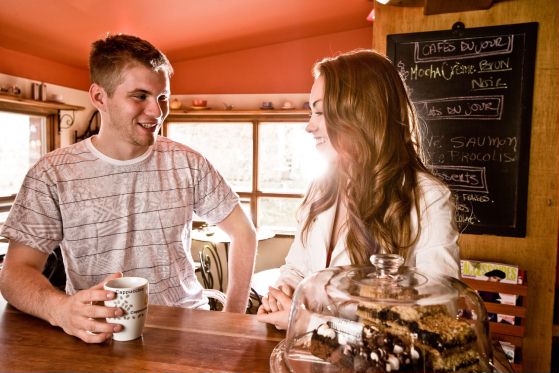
384,318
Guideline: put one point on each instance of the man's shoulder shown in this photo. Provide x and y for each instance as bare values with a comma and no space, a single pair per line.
167,147
71,154
76,148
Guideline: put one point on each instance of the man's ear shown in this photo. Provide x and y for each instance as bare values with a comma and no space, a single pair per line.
98,96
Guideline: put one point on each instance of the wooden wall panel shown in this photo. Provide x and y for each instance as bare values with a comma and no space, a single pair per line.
537,252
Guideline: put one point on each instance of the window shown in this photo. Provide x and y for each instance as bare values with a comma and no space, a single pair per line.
23,139
22,142
228,146
26,133
268,159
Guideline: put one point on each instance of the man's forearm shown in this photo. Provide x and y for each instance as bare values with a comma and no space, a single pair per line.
29,291
240,268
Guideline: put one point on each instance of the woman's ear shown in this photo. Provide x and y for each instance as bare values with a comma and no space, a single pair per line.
98,96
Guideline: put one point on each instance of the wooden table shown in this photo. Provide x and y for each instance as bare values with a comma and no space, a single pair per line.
174,340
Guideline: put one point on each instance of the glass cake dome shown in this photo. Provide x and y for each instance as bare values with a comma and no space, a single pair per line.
384,318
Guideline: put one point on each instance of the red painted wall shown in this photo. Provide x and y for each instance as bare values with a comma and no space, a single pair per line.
276,68
27,66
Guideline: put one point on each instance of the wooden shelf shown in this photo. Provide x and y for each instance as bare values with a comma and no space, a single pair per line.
502,331
239,114
497,287
506,329
506,309
23,104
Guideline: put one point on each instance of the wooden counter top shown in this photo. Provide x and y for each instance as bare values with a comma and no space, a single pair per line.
174,340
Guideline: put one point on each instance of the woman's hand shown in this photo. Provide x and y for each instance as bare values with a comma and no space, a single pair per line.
276,306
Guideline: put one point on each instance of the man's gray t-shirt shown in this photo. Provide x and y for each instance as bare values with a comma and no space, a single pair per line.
130,216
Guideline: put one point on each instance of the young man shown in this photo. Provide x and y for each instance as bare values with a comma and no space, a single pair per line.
120,203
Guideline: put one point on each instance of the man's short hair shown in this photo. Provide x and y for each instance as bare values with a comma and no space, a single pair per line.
111,55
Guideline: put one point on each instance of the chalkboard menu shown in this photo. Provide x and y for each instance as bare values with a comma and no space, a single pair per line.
472,90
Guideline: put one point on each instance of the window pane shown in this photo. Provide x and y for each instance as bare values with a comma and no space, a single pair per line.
228,146
245,205
22,142
278,213
287,156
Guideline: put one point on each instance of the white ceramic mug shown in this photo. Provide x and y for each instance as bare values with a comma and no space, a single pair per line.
132,298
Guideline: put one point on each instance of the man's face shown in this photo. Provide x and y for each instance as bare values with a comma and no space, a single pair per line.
138,106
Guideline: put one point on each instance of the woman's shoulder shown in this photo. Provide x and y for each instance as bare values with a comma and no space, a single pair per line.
428,180
431,188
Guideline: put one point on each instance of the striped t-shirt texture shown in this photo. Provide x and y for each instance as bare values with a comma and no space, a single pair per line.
130,216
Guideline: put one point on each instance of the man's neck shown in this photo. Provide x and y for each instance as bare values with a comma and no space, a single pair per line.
115,149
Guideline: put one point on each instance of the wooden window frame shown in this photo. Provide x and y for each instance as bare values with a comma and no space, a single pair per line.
52,113
256,118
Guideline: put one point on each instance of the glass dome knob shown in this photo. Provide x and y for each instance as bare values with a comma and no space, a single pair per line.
387,264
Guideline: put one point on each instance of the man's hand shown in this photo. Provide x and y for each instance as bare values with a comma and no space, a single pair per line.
276,306
78,315
82,314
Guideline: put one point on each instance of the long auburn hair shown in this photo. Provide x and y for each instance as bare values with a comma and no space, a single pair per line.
372,125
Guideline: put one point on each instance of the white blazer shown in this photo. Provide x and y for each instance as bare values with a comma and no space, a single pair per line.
435,252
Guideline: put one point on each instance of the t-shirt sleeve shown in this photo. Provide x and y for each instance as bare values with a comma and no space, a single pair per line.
34,219
214,199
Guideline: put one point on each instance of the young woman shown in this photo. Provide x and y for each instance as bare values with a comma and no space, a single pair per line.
378,196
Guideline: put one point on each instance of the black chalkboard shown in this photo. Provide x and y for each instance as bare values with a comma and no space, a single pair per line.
472,90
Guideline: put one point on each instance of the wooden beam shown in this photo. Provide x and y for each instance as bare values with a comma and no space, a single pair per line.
452,6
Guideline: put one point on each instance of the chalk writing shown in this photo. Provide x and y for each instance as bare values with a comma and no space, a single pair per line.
435,142
471,92
438,50
463,219
462,178
467,157
464,108
497,142
482,84
486,66
471,197
445,70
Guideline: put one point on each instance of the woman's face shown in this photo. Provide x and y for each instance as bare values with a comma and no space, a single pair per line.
317,123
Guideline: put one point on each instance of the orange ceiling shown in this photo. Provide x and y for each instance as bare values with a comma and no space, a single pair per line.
62,30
